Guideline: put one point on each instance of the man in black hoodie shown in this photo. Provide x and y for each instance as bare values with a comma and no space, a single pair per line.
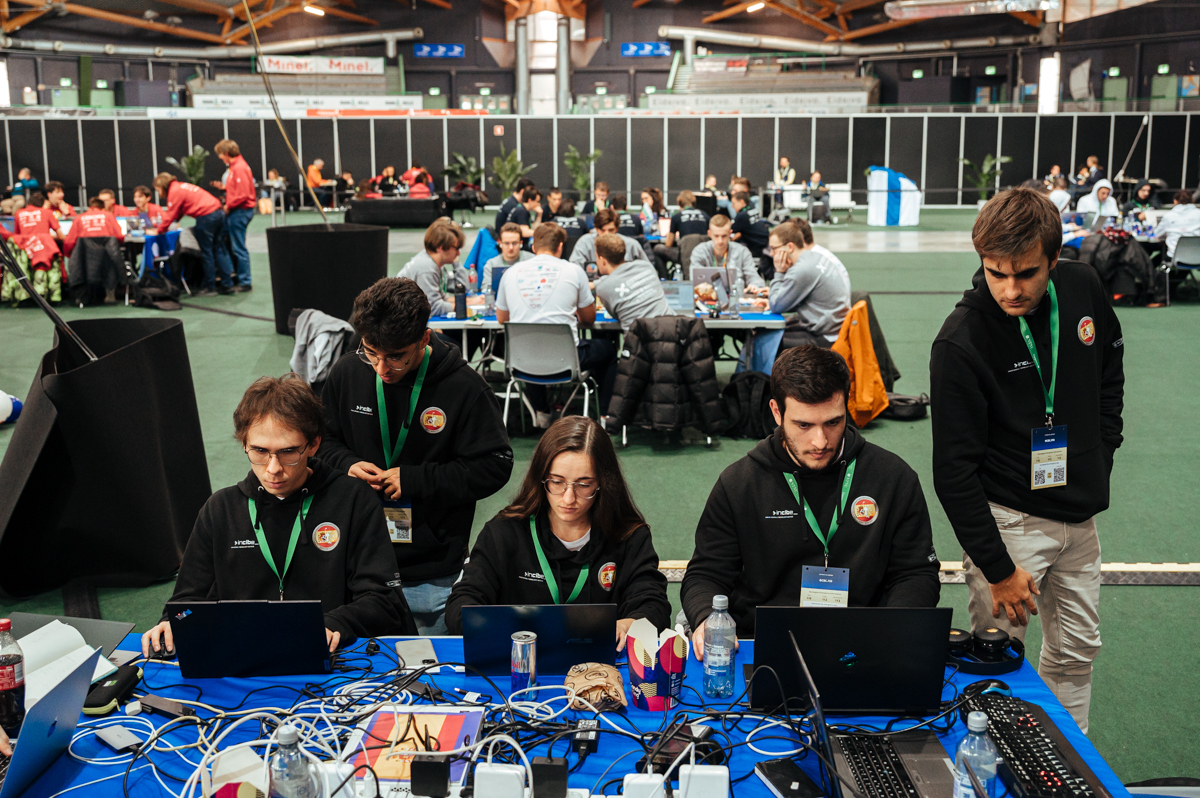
815,495
244,544
408,416
1027,390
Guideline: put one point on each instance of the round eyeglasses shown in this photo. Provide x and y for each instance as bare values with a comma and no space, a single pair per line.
584,489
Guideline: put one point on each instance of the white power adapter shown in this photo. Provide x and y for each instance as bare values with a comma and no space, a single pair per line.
703,781
331,774
644,785
499,780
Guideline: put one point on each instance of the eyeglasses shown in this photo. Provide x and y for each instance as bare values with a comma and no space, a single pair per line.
286,457
583,489
393,362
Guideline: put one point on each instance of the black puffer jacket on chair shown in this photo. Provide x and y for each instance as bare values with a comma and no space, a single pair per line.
666,377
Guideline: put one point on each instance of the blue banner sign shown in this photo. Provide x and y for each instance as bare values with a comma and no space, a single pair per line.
646,49
439,51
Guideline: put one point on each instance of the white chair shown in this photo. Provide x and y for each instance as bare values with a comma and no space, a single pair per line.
1187,257
840,199
543,354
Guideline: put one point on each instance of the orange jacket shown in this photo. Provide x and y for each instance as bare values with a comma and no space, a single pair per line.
868,396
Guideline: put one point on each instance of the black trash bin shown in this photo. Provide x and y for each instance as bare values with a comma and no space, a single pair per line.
313,266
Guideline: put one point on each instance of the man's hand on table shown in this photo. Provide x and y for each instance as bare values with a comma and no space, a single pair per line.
158,639
332,638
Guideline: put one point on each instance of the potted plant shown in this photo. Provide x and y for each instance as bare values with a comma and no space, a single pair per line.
507,169
580,168
191,166
985,176
464,170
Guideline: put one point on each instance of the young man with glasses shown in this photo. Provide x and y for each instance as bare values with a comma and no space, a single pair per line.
294,529
409,417
435,269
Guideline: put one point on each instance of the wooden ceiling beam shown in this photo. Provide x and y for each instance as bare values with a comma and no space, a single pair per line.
439,3
855,5
125,19
3,10
21,20
204,7
729,12
1032,20
871,30
805,17
337,12
265,18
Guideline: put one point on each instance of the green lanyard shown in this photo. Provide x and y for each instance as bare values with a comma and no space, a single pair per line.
551,582
392,453
812,519
265,548
1028,336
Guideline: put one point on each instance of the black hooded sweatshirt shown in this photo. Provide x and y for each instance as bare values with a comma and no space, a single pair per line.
352,573
457,451
504,569
1135,204
752,540
986,401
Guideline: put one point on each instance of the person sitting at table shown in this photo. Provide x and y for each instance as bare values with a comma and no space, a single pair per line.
26,182
749,228
627,223
548,290
1060,194
422,186
688,220
444,239
45,263
386,181
410,174
1054,174
343,187
528,214
599,201
36,218
1144,198
605,221
810,283
572,535
244,544
571,224
721,252
511,253
629,290
551,202
96,265
186,199
652,210
151,211
1099,201
317,182
511,203
367,189
1182,220
55,201
111,206
411,419
813,495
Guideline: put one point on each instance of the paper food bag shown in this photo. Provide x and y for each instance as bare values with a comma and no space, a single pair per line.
656,663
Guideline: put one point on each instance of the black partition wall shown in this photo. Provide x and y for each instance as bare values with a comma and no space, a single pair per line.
669,152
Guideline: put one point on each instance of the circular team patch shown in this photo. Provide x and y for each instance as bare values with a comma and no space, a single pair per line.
607,575
327,536
1087,330
865,510
433,420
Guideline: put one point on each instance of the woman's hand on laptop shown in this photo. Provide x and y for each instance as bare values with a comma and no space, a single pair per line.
622,630
332,638
158,639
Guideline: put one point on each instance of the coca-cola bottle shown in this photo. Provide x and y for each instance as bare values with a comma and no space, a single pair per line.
12,681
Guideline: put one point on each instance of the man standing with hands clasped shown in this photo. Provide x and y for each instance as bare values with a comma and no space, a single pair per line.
1027,390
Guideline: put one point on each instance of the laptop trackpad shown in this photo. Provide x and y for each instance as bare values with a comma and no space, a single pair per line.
928,764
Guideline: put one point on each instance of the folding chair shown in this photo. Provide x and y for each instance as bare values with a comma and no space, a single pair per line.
1187,258
543,354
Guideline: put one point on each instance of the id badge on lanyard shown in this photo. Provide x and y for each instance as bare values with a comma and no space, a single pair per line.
1048,444
824,587
398,514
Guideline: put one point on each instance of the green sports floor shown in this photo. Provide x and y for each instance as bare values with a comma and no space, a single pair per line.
1146,697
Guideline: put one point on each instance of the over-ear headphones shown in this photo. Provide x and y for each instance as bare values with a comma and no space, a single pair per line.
985,653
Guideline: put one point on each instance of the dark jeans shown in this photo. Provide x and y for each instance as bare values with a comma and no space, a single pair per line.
597,356
208,231
238,220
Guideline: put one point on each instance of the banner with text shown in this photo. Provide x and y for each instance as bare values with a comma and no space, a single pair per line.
320,65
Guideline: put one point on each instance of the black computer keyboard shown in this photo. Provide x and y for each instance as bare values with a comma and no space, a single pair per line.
1038,762
4,761
876,767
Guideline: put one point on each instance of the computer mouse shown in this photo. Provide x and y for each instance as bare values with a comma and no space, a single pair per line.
987,686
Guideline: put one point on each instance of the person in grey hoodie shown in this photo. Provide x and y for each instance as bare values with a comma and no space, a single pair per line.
629,290
443,241
810,283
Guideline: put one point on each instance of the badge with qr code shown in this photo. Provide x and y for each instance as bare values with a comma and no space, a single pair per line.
398,515
1048,458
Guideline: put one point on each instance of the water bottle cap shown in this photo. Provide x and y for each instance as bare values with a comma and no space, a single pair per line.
5,625
720,602
977,721
288,735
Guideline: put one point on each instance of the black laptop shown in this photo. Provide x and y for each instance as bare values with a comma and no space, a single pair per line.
567,635
866,660
218,639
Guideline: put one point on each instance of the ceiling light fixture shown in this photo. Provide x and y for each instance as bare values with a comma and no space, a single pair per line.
929,9
756,7
320,12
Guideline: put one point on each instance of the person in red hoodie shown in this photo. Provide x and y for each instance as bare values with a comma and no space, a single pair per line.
141,199
33,218
97,262
55,193
185,199
109,198
240,200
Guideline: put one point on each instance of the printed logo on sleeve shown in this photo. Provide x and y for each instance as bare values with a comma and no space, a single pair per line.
865,510
607,575
1087,330
433,420
327,536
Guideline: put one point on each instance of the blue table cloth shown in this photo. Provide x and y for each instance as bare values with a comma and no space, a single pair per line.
281,692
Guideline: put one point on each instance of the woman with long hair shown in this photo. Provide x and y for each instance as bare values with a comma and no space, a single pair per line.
652,211
572,535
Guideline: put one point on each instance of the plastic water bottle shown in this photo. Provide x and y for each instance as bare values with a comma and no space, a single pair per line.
12,681
720,640
977,749
290,773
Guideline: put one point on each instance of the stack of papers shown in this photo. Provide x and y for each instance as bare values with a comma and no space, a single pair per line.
51,654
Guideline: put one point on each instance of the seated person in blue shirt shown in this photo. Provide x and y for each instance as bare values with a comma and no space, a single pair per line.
572,535
605,221
749,228
688,220
511,203
528,215
571,224
510,253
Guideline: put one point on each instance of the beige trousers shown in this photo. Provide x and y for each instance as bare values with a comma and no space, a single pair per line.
1064,561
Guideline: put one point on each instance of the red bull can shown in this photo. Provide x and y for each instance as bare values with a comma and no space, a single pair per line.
524,660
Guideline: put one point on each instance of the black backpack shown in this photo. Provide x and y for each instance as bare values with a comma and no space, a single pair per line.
905,408
747,402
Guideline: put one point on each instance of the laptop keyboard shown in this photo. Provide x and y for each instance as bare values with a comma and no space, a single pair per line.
876,767
4,762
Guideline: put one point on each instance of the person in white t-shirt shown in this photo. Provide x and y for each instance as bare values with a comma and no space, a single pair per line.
549,290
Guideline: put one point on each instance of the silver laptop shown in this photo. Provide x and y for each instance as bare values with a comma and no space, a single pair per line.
47,731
